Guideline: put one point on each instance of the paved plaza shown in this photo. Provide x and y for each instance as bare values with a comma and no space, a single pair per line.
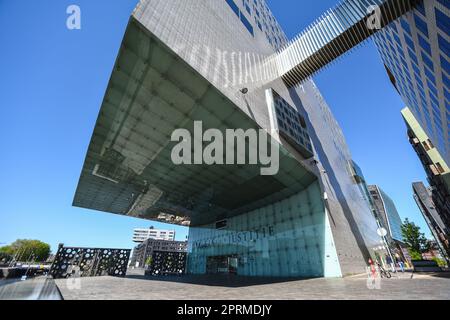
134,287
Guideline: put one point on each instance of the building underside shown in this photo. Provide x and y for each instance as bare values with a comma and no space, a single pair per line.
129,170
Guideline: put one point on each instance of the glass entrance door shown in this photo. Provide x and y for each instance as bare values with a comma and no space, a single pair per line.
222,265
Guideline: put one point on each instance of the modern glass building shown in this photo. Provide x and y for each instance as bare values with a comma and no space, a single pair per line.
387,211
415,50
441,232
436,168
186,61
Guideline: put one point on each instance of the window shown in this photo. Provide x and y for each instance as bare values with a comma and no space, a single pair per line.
444,45
221,224
233,6
405,25
421,8
440,168
445,65
445,3
427,61
421,25
424,44
442,21
241,16
409,42
247,24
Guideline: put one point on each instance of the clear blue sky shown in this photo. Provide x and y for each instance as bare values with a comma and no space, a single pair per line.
52,84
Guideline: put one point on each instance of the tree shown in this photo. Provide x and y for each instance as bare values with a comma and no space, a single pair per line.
415,241
27,250
149,261
4,257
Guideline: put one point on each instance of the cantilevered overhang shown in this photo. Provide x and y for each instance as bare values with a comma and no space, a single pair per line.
128,168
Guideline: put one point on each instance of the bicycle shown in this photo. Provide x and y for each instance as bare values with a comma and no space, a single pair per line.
383,272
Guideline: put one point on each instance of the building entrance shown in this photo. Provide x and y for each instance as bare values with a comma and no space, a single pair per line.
222,265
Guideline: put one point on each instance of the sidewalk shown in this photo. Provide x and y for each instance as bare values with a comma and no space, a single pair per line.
225,288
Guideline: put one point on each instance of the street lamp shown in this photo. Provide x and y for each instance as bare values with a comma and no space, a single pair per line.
382,232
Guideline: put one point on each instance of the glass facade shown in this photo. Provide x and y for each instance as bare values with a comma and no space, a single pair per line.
388,213
280,240
415,50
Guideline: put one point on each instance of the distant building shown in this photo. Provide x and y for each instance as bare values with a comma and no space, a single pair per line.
141,235
145,250
434,252
387,212
441,233
389,218
436,168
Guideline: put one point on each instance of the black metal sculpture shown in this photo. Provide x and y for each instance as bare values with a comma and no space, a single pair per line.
89,262
167,263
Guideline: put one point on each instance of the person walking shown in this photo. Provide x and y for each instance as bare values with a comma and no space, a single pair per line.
390,263
402,266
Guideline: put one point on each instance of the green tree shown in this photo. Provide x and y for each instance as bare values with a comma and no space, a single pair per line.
4,257
415,240
27,250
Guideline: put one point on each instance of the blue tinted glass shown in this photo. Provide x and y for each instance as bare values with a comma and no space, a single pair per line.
445,65
233,6
446,81
416,69
420,7
424,44
444,45
413,56
421,25
447,94
427,60
247,24
405,25
430,75
445,3
442,21
409,42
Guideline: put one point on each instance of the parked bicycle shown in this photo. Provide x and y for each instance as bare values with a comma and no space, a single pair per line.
383,272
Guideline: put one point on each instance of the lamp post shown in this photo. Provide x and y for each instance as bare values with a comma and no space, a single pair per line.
382,232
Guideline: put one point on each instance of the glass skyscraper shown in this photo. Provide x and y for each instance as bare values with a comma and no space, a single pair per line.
387,211
415,50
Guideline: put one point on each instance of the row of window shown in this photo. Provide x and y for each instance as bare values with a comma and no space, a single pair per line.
241,16
264,20
402,74
291,122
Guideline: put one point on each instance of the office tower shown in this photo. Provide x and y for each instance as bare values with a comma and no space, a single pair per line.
415,50
206,66
440,231
436,168
140,235
387,211
389,219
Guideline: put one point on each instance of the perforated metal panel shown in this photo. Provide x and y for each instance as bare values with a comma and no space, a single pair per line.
90,262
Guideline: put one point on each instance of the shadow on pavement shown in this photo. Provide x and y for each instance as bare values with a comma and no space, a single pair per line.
443,274
227,281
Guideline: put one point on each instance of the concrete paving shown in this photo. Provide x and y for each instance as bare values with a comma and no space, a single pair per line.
421,286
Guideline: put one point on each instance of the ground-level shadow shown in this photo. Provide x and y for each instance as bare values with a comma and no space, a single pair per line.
217,280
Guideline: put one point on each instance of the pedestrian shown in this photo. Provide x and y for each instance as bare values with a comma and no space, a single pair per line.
372,269
402,266
390,263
